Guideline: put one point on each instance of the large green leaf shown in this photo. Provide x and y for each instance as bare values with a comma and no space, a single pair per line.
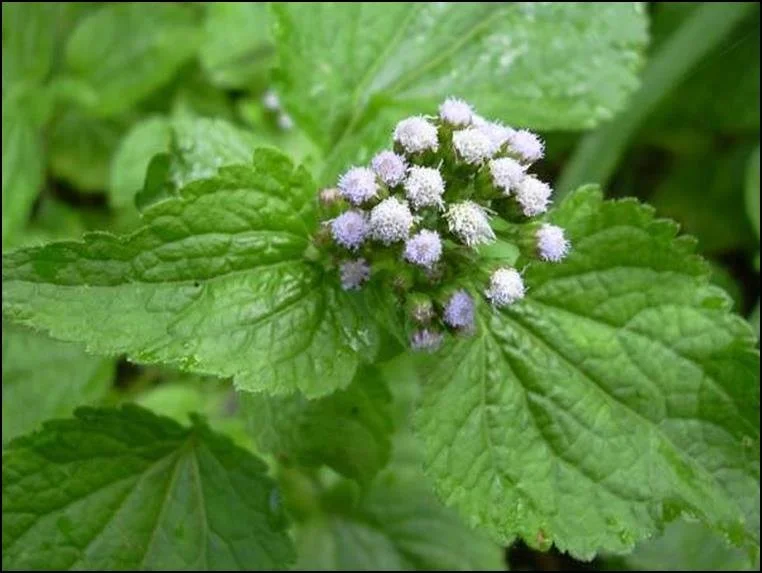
123,51
620,393
350,430
236,49
394,526
28,41
549,65
126,489
752,190
44,378
214,282
22,166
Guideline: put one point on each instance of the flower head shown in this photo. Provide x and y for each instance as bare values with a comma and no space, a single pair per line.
506,173
497,133
329,196
468,221
423,249
456,112
424,187
527,145
416,134
390,221
459,311
472,145
350,229
354,274
505,287
389,167
358,185
551,243
533,195
426,340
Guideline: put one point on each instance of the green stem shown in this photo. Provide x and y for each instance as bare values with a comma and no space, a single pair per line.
599,153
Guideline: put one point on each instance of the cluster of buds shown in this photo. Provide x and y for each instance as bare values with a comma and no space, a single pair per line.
416,217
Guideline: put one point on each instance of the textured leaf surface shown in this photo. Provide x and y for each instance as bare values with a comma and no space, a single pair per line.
618,394
122,52
44,378
125,489
22,166
549,65
214,282
350,430
396,526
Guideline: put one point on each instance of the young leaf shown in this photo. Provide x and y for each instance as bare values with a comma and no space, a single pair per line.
44,378
350,430
397,526
548,66
620,393
122,52
22,166
214,282
126,489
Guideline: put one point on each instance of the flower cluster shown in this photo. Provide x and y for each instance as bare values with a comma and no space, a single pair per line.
415,219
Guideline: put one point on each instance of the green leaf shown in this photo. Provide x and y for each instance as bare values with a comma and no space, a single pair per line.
126,489
686,546
44,378
128,171
82,148
396,526
618,394
236,50
752,190
214,282
122,52
22,166
28,41
549,66
349,431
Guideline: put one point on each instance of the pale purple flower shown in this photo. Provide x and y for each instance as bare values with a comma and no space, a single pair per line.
505,287
468,221
497,133
354,274
426,340
533,195
416,134
506,173
459,312
389,167
358,185
456,112
527,145
551,243
473,146
350,229
390,221
424,187
423,249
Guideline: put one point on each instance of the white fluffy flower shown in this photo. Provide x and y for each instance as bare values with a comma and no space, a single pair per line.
271,100
497,133
389,167
506,173
456,112
551,243
423,249
424,187
527,145
468,221
533,195
505,287
358,185
472,145
416,134
390,221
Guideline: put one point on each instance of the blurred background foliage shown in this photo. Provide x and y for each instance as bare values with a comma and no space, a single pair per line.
107,107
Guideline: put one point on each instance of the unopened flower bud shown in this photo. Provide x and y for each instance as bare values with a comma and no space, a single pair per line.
329,196
420,308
